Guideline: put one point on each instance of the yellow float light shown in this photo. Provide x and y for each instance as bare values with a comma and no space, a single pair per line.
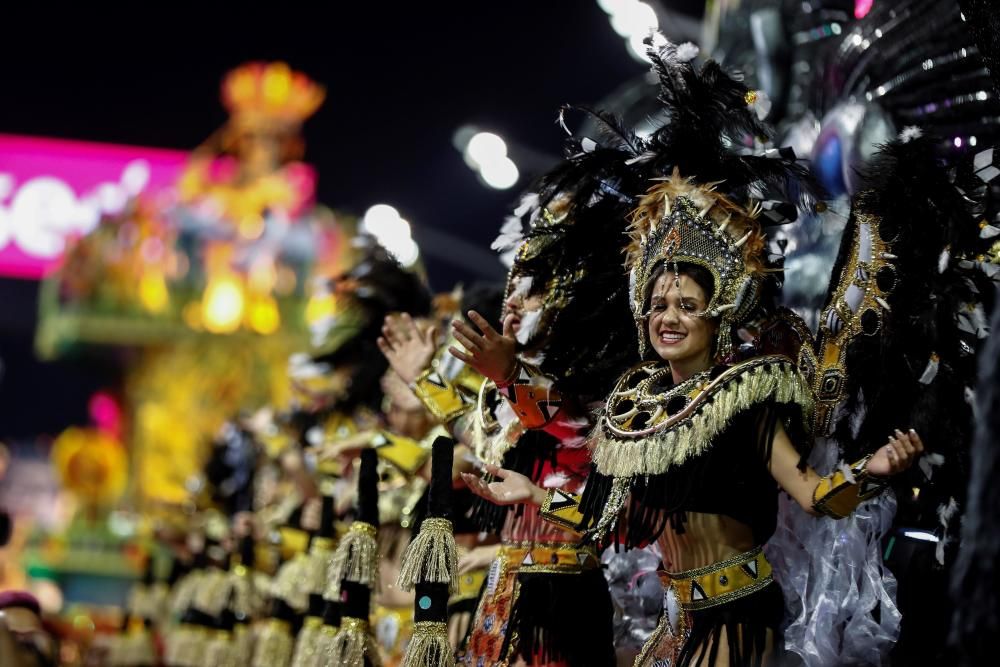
222,306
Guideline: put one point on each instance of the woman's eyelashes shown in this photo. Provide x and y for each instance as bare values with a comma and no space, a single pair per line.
686,305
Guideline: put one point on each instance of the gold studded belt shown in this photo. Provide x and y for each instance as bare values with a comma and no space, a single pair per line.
551,558
718,583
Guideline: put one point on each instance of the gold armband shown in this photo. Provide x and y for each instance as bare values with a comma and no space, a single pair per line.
837,496
442,399
562,509
532,396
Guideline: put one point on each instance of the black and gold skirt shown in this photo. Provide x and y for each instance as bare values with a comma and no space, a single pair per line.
732,608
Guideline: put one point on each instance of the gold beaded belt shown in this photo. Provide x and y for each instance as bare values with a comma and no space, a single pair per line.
551,558
718,583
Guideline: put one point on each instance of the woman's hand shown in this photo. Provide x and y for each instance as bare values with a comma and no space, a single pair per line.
407,347
490,353
513,487
478,558
903,449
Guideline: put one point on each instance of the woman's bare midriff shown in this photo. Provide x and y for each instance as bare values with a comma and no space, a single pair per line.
705,539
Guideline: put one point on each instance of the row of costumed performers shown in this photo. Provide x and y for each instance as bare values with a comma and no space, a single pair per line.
593,464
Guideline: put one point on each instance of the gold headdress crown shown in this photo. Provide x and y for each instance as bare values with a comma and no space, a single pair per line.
270,92
679,221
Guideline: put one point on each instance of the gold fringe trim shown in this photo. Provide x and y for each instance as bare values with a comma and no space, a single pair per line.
183,592
429,646
316,568
353,644
686,438
274,646
243,644
307,644
432,557
248,591
288,583
356,559
219,651
212,594
186,646
324,645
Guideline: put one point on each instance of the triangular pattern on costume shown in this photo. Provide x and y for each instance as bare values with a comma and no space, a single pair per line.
751,568
551,408
436,380
697,592
528,560
868,486
561,500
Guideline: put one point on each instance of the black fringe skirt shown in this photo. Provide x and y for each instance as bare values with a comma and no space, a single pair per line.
746,629
563,618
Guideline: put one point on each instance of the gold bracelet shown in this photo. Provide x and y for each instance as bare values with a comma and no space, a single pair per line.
511,377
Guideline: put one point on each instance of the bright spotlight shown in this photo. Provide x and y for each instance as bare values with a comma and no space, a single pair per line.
379,212
500,174
384,221
636,18
484,148
637,47
403,248
392,232
612,6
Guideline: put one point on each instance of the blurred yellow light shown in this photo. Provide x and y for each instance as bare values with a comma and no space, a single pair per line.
264,316
153,292
222,307
262,277
320,307
277,83
251,227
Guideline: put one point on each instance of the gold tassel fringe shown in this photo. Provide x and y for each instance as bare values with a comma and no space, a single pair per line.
243,644
653,455
274,646
324,645
429,646
354,643
307,645
356,559
288,583
316,567
212,593
248,590
432,557
186,646
219,651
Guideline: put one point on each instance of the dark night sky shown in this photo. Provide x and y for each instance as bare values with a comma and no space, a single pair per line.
401,78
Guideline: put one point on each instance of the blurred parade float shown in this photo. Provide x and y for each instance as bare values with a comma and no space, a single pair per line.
207,284
200,292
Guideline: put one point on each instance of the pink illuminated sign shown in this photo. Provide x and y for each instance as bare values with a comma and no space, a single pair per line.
54,190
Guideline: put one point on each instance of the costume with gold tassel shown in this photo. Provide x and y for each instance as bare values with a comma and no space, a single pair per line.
355,573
